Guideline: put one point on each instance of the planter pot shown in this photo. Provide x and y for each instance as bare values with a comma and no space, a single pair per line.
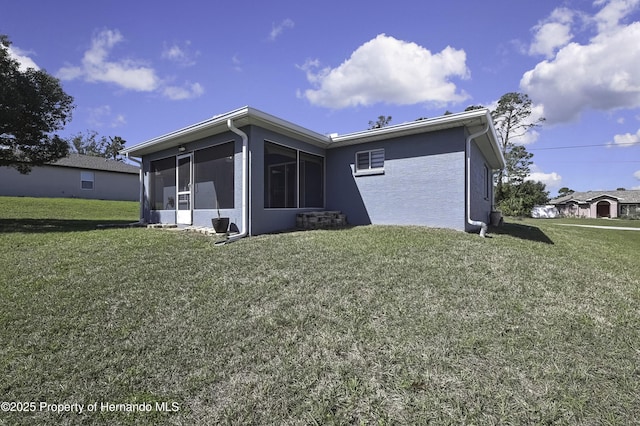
220,224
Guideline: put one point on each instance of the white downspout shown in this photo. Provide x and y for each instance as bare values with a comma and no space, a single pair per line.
141,193
482,225
245,185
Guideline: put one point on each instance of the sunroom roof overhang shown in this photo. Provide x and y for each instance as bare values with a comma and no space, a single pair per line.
241,117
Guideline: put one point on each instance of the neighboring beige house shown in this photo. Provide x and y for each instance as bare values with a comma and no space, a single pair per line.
75,176
594,204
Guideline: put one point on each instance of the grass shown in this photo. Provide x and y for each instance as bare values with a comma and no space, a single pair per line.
370,325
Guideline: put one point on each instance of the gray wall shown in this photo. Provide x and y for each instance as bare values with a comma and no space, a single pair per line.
58,181
481,204
272,220
200,217
422,184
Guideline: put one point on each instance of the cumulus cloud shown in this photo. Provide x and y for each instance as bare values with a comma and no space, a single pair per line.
637,175
553,33
388,70
276,30
98,67
22,57
551,180
188,91
612,12
181,55
602,74
626,139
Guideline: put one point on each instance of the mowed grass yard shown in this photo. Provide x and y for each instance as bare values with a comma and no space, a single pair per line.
539,324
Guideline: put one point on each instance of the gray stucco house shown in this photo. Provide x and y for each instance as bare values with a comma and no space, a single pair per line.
261,171
594,204
75,176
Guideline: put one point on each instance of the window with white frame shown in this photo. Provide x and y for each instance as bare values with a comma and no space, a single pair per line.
369,162
86,180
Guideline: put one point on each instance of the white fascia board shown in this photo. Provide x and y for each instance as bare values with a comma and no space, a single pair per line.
218,124
412,127
473,120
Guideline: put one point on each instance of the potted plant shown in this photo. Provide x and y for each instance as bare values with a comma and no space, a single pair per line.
220,224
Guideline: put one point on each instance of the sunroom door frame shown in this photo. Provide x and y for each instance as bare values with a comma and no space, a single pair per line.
184,189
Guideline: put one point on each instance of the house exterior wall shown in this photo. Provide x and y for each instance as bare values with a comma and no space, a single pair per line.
201,217
590,209
613,207
264,220
423,182
481,188
64,182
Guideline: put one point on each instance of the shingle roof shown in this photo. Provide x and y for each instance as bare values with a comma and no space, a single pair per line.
96,163
628,196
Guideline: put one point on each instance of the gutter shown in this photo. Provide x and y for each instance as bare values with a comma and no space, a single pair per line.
245,185
482,225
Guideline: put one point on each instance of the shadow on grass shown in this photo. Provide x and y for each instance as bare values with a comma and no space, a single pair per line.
54,225
524,232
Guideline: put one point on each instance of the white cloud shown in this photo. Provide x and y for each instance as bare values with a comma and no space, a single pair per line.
626,139
391,71
21,56
603,74
637,175
613,12
102,116
181,55
553,33
96,66
276,30
551,180
188,91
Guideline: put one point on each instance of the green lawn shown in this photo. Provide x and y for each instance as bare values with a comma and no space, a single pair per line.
369,325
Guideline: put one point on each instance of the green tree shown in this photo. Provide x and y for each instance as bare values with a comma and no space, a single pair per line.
473,107
32,107
381,122
113,147
518,200
518,162
511,118
565,191
90,143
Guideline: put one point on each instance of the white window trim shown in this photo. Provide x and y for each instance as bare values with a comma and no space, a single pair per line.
368,171
87,177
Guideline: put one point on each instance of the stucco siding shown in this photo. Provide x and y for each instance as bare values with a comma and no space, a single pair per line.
201,217
481,188
265,220
422,183
58,181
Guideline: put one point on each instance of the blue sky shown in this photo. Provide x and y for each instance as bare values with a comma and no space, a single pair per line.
140,69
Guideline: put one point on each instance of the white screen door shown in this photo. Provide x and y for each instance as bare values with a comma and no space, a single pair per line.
185,197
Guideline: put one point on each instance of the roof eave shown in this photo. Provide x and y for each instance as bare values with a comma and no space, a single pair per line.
218,124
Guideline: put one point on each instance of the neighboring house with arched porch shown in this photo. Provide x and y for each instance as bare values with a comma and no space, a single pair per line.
594,204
